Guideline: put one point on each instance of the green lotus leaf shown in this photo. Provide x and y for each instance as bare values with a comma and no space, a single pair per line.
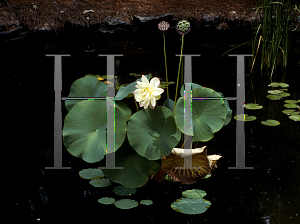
229,112
295,117
106,200
194,86
152,133
100,182
298,100
273,97
275,91
252,106
284,94
291,105
137,169
146,202
124,191
91,173
126,204
290,101
208,116
169,104
130,88
244,117
194,193
288,112
84,132
283,89
190,206
271,123
274,84
87,86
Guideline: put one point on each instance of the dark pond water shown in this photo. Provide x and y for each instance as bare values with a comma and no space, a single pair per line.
269,193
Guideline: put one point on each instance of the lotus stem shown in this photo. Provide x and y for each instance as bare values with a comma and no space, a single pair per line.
182,41
166,65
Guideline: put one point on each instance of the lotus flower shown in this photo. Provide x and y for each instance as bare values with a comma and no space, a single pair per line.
147,93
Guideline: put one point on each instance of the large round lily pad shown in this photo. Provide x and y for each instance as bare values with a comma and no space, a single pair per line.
87,86
152,133
190,206
137,169
84,131
208,116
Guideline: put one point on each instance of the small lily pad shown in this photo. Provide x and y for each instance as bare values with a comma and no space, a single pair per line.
126,204
253,106
124,191
194,193
298,100
91,173
244,117
275,91
271,122
288,112
106,200
291,105
295,117
190,206
284,94
290,101
281,84
103,182
146,202
273,97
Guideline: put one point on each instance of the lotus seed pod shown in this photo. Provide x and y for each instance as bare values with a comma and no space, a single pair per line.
183,27
163,26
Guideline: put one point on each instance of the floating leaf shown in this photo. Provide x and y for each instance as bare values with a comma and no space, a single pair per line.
244,117
291,105
103,182
284,94
207,176
281,84
91,173
106,200
190,206
295,117
135,75
194,193
153,133
275,91
229,112
208,115
126,204
252,106
273,97
271,123
188,175
288,112
124,191
146,202
290,101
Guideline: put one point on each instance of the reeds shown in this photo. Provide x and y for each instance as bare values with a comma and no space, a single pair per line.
274,32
